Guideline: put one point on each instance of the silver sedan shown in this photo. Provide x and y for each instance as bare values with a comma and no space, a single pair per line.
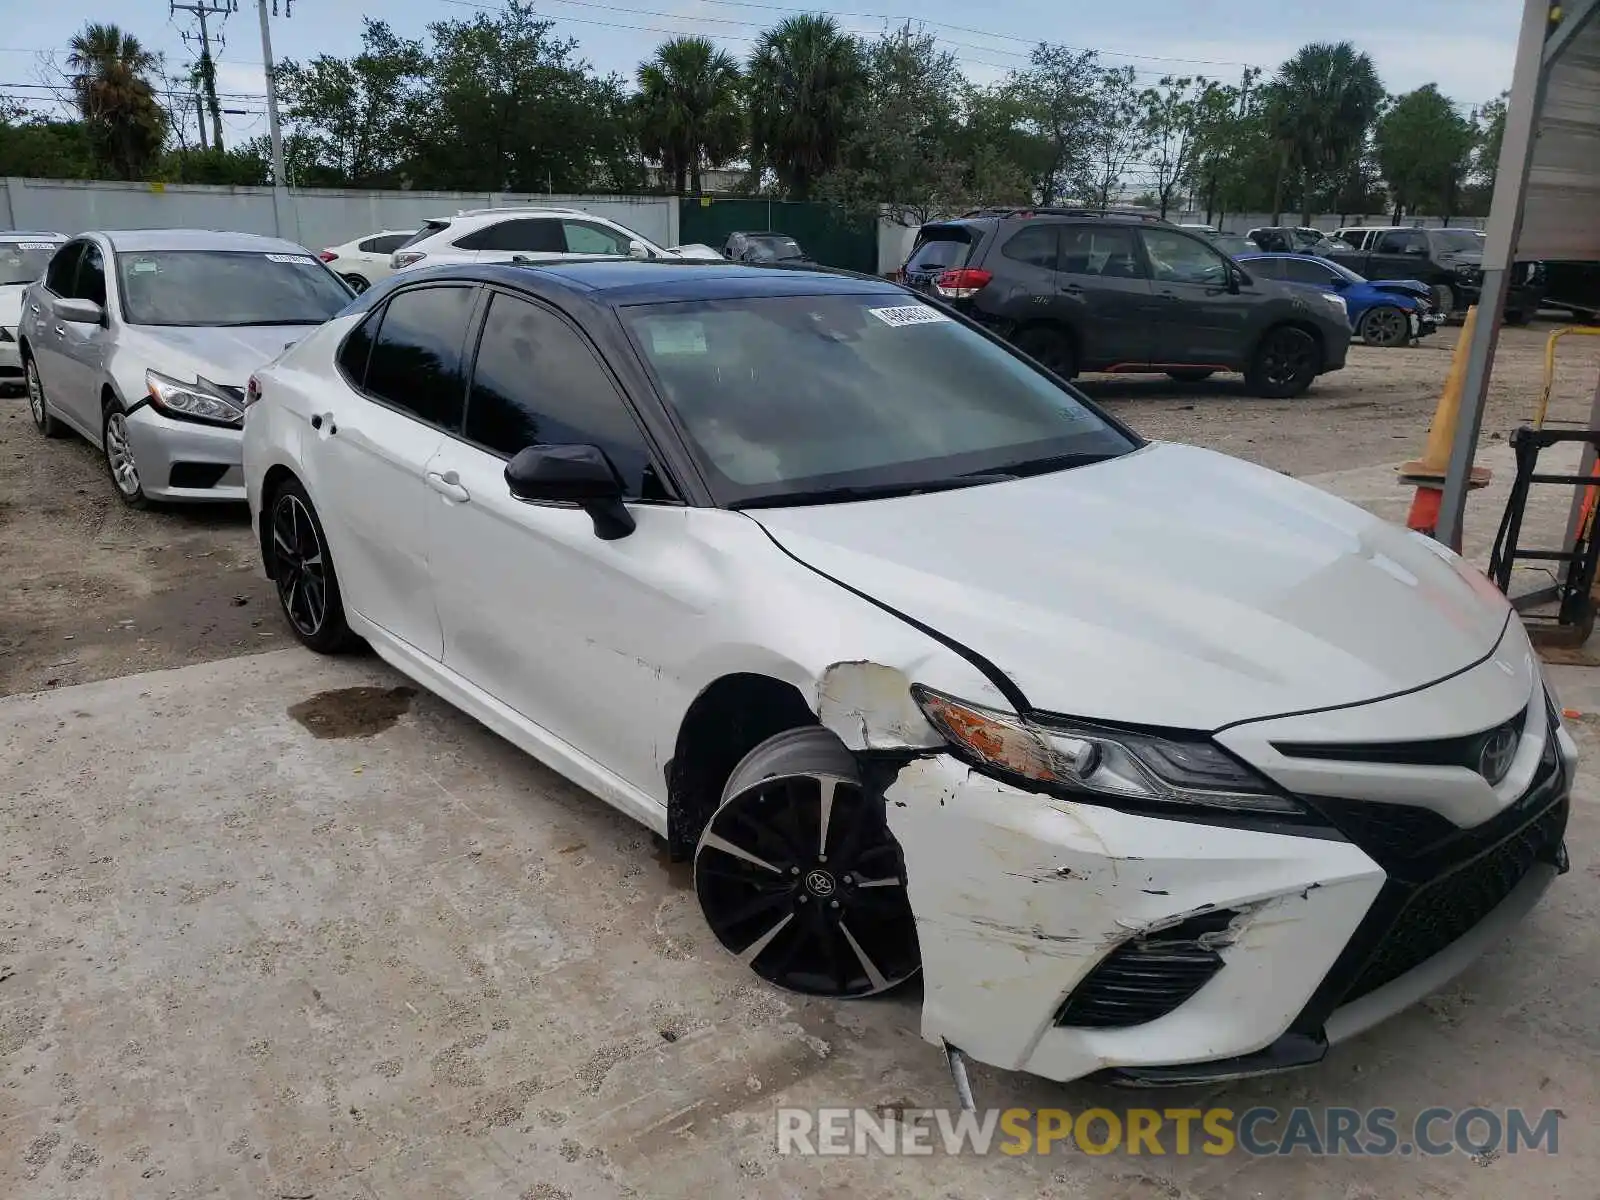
143,342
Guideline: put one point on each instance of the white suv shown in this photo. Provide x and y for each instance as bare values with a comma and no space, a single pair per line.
500,234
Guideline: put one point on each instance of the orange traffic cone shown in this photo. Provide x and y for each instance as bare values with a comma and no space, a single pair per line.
1428,472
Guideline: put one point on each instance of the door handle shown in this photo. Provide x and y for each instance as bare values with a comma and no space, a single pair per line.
318,420
1072,288
61,330
449,486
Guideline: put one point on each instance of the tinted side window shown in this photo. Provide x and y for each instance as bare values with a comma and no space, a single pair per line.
357,349
529,234
1175,258
1035,244
91,284
1264,268
58,276
416,360
386,244
1402,241
1354,237
1300,271
583,238
537,383
1105,252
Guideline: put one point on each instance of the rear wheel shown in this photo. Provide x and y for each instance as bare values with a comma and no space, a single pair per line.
1050,347
1190,374
1284,364
1385,325
38,406
302,568
359,282
798,875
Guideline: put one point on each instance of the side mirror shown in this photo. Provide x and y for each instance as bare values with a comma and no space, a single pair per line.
80,312
638,250
1237,279
580,475
1339,283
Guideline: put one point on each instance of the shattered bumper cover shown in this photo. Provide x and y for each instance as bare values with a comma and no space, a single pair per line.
1026,903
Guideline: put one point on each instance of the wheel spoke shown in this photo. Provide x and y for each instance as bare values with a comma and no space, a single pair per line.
717,842
825,806
754,949
764,901
878,883
879,981
312,590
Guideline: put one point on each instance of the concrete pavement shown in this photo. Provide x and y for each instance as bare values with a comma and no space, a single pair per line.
262,936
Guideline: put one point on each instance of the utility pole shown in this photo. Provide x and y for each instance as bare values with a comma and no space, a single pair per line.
207,68
279,180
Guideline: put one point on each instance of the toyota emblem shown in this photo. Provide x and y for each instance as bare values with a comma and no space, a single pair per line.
819,883
1499,748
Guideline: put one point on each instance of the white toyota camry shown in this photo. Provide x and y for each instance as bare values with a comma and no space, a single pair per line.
1153,762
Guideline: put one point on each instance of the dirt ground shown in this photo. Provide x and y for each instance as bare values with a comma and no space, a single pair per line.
95,590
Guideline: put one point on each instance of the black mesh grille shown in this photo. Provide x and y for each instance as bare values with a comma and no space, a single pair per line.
1391,833
1437,891
1150,976
1439,912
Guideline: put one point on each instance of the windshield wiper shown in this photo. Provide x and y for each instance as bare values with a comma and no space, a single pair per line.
1057,462
874,491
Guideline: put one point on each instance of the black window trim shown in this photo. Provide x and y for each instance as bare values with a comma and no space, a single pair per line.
379,312
79,242
480,317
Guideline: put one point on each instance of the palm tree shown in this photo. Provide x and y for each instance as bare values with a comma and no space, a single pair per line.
1322,102
110,81
691,108
804,78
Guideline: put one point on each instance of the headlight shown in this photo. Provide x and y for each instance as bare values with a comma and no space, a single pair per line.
1093,762
198,401
1337,302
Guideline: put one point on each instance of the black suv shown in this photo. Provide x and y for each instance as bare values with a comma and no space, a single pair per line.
1087,291
1449,261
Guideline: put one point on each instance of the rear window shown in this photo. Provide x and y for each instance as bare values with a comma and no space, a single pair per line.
427,231
940,248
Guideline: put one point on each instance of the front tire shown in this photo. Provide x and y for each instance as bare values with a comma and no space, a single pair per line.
1385,325
1285,363
39,407
798,875
1051,348
302,569
120,462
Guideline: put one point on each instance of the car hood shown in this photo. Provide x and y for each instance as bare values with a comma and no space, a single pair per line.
696,251
11,304
225,355
1172,586
1412,287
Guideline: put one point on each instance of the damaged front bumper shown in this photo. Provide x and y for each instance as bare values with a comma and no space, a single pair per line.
1068,939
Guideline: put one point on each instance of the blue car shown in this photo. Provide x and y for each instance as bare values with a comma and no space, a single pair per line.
1388,312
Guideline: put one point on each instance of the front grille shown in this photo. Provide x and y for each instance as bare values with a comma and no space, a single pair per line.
1149,976
1437,889
1437,913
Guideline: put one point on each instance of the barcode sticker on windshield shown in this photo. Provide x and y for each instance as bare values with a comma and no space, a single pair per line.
908,314
299,260
36,245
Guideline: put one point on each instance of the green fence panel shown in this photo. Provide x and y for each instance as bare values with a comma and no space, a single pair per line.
831,237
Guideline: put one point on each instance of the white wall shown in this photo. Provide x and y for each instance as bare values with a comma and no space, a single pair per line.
312,217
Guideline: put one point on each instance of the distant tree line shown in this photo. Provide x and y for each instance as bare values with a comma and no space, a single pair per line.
498,103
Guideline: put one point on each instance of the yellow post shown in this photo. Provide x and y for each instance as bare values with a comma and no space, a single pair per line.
1435,460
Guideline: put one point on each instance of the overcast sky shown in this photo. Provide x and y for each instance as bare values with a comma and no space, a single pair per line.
1465,46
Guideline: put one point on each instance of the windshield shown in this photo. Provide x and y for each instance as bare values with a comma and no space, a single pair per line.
24,262
774,249
226,287
796,399
1458,241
